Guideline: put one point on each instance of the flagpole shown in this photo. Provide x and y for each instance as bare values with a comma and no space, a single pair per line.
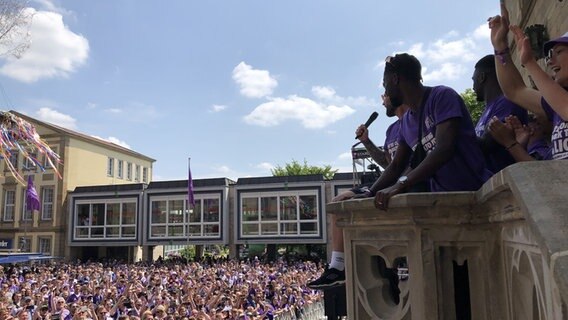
189,197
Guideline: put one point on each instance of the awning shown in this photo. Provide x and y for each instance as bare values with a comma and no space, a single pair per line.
19,258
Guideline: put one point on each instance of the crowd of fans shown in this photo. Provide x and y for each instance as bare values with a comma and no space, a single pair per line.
225,289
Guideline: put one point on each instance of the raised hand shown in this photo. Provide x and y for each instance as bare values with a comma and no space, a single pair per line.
499,26
522,133
524,49
501,132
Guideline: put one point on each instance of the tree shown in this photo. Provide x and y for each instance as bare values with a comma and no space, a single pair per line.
474,107
294,168
15,20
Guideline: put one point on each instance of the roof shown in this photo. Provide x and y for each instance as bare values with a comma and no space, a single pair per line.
197,183
281,179
110,188
84,137
346,175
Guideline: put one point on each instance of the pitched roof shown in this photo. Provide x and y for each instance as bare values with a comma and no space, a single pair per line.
82,136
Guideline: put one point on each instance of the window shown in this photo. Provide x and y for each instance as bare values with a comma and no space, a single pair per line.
272,214
47,203
110,167
46,163
26,214
170,217
13,159
30,165
144,174
105,220
44,245
9,204
25,244
129,171
120,169
137,173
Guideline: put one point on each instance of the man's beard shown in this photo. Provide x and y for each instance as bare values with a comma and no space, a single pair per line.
396,102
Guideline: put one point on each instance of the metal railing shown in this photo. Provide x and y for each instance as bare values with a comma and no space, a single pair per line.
312,311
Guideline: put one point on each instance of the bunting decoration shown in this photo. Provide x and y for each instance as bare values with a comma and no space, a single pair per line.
18,135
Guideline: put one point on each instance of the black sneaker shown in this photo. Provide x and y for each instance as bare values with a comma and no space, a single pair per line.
330,278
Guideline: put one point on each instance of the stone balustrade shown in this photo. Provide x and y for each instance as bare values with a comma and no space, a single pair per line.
498,253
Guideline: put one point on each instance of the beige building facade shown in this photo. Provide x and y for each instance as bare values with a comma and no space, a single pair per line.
86,160
549,13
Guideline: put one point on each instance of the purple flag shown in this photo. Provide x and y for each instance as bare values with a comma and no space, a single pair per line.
32,199
190,197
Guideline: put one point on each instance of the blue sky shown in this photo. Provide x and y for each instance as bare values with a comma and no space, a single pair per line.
238,86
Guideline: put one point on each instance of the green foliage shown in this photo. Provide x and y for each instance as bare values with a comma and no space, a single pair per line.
294,168
188,252
474,107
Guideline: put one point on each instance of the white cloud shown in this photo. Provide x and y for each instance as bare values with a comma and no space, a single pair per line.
50,6
57,118
452,56
224,169
311,114
265,166
482,32
325,93
329,95
218,108
345,156
446,71
118,142
115,141
55,51
114,110
253,83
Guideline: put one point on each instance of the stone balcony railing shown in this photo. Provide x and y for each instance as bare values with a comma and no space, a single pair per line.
498,253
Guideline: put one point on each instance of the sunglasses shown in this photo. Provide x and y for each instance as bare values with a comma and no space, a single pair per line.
390,60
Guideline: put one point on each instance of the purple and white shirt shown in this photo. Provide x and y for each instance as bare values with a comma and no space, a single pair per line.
466,170
559,132
391,141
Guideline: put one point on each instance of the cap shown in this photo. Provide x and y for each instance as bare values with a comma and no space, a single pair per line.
550,44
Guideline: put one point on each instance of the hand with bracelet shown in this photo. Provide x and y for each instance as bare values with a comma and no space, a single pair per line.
499,26
502,133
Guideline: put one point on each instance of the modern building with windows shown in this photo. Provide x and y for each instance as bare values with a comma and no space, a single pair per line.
139,221
86,161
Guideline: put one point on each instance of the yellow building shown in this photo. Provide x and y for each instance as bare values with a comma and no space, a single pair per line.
86,161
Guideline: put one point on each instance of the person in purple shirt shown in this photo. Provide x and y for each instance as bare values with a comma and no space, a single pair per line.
453,161
487,89
335,274
551,100
524,143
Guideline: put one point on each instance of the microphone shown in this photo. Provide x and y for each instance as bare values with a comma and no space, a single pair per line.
372,118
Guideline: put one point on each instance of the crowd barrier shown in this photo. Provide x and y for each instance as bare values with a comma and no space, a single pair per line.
313,311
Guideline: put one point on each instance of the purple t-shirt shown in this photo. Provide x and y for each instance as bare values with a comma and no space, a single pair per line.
501,108
540,150
391,142
466,170
559,132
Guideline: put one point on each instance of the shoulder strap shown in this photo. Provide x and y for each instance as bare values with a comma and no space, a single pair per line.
421,113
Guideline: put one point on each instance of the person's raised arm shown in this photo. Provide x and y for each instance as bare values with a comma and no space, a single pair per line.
510,79
553,93
378,154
